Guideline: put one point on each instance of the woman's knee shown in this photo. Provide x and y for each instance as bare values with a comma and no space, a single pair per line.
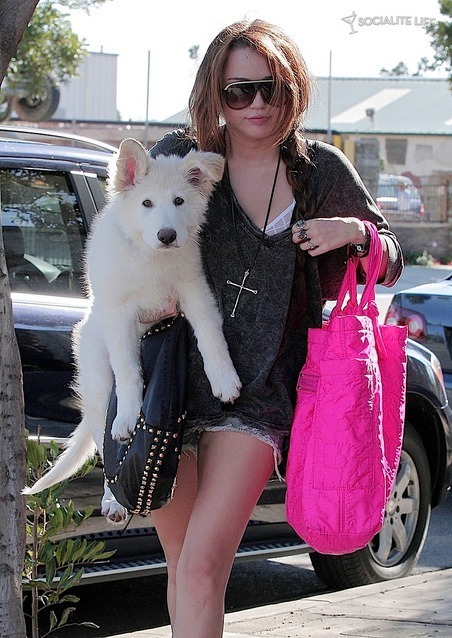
208,571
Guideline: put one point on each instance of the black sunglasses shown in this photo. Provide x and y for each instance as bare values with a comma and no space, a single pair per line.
239,95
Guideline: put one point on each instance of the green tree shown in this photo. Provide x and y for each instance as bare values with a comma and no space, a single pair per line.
441,42
49,48
193,52
49,54
400,69
441,34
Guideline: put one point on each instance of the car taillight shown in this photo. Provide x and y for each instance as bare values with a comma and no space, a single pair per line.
399,316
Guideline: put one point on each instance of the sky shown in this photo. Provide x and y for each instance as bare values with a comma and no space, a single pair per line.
380,34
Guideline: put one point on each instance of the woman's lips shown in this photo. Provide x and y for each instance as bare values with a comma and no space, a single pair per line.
258,119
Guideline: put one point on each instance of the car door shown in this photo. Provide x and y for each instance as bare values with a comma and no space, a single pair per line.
46,210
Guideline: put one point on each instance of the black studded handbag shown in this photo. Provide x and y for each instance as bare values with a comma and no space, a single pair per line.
141,472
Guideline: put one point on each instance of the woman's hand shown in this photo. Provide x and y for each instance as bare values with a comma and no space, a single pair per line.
318,236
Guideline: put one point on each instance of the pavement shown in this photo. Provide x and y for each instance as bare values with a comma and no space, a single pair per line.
413,607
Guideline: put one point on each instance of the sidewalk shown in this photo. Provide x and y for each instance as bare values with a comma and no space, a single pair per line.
414,607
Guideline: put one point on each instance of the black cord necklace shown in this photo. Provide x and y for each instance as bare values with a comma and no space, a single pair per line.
248,270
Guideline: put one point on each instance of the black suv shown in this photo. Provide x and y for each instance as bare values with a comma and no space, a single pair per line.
50,191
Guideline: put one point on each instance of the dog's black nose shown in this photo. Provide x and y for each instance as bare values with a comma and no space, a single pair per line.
166,235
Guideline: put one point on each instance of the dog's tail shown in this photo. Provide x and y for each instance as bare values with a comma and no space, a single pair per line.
81,446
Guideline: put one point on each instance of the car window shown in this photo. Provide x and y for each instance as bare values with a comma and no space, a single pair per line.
43,232
387,190
97,185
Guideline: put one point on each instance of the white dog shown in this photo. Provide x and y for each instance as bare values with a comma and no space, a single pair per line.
142,254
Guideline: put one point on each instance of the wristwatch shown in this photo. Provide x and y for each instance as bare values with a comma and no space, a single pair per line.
361,250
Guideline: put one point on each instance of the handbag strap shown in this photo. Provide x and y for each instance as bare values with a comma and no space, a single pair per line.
373,265
367,305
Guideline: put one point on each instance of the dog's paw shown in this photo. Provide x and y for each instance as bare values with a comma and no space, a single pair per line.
225,384
112,510
123,426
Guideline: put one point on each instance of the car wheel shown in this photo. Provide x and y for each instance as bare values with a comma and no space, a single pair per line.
36,108
395,550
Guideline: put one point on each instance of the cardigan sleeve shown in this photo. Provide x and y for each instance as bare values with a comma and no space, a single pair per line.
340,192
176,142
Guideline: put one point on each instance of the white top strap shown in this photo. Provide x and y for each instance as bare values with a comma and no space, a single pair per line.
281,222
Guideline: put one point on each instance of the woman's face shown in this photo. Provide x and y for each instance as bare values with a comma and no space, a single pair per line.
258,120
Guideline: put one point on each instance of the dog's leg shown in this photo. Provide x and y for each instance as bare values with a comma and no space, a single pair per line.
201,310
94,380
123,338
110,508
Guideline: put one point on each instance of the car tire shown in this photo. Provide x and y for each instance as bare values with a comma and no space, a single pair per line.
37,109
395,550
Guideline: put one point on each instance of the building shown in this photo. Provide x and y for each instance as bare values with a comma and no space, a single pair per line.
396,125
411,118
92,94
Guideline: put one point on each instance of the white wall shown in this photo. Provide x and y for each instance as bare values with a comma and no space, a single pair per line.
91,95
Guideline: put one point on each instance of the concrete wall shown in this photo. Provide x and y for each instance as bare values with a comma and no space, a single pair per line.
415,238
418,155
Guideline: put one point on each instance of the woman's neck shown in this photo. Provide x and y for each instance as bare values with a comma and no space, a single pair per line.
249,151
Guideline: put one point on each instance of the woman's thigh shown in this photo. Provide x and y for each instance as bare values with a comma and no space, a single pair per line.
233,469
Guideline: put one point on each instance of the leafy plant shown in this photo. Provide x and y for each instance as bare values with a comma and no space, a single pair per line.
54,562
441,34
49,49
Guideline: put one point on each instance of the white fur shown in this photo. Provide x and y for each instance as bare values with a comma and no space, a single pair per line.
133,274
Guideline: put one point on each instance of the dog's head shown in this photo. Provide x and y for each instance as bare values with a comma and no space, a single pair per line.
161,201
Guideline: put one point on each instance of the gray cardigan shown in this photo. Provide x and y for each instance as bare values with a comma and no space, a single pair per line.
268,335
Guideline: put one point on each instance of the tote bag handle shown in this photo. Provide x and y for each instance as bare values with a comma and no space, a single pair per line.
349,284
367,304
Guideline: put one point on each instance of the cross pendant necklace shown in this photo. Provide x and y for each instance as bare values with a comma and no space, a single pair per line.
241,287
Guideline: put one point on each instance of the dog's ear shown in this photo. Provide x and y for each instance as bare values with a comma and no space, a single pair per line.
204,169
130,165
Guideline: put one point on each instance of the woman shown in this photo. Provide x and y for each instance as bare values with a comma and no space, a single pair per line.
279,228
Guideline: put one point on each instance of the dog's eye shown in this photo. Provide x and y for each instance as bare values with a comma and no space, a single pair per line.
147,203
178,201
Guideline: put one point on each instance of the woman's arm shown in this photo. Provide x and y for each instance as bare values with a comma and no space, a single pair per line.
342,203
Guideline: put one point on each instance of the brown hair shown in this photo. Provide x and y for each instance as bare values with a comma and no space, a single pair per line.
292,79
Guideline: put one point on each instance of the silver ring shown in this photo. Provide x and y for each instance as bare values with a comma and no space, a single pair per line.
303,235
311,246
301,223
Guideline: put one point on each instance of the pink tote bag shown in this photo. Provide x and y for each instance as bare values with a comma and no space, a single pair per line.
347,432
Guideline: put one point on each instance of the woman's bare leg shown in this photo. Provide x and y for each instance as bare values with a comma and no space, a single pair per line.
233,469
171,521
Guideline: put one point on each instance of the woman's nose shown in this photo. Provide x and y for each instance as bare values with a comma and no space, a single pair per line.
258,101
